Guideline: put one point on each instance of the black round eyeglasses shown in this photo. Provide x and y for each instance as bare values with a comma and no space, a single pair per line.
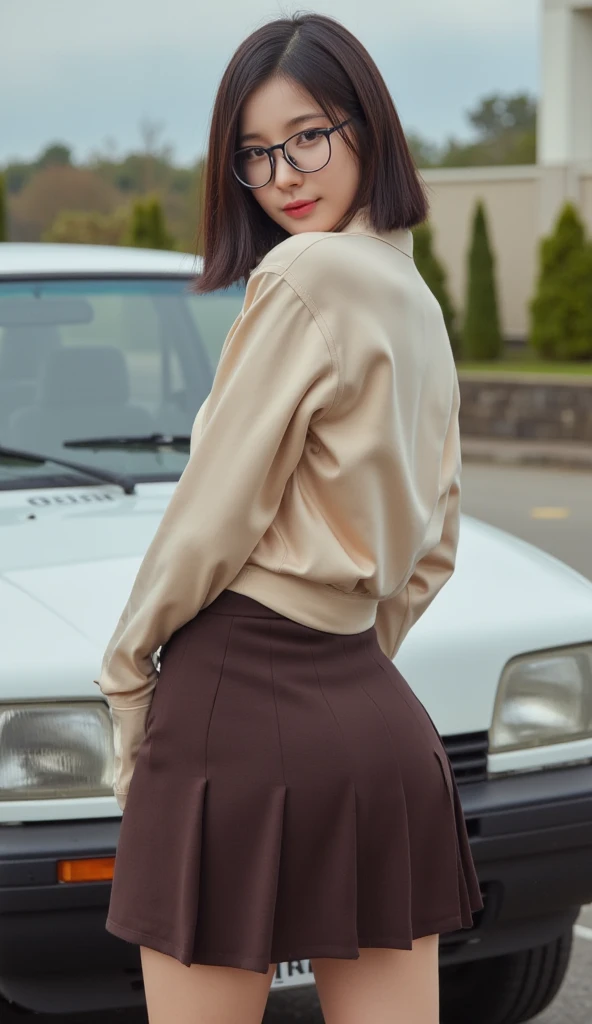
306,151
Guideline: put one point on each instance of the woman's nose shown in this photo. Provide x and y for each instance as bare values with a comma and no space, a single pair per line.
285,174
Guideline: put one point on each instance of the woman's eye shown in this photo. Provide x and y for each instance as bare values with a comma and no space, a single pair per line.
309,136
254,154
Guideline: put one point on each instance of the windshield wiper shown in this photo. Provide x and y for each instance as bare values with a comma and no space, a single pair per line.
104,475
149,441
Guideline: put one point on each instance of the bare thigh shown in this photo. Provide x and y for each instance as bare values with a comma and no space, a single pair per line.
385,986
201,994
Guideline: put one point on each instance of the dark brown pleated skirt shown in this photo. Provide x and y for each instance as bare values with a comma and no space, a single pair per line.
291,799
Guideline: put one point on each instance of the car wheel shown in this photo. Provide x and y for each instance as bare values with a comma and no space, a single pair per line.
509,989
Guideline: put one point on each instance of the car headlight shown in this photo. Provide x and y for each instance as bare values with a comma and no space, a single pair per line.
54,750
544,698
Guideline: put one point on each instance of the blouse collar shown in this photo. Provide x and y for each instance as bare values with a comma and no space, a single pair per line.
399,238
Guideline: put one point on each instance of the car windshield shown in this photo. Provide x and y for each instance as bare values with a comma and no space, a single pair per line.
107,373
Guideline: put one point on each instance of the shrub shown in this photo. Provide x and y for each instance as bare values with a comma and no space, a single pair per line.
434,275
481,336
89,228
3,226
147,229
561,308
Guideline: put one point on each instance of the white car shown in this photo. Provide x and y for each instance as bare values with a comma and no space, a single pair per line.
105,356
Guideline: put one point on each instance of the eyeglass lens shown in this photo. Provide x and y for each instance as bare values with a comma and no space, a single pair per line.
308,151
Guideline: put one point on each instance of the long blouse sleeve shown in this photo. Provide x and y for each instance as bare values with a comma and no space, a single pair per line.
276,373
436,562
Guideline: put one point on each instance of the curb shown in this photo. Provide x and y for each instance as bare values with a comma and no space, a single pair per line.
527,453
525,377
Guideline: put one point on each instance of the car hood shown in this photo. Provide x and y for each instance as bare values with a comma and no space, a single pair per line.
68,561
77,552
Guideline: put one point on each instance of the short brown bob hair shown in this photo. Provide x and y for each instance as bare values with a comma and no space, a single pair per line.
322,56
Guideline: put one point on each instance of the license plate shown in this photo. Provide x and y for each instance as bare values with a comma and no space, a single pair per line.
292,974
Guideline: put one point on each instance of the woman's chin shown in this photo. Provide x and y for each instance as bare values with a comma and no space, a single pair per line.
313,223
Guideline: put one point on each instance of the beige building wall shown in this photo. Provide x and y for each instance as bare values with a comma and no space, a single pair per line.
512,204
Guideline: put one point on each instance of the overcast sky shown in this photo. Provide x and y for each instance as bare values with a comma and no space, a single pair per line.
87,74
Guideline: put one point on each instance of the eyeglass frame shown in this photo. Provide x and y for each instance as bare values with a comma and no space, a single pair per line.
327,132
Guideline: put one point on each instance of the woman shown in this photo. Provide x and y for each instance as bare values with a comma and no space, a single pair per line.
286,794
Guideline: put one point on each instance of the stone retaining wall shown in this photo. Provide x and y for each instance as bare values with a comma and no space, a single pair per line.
520,406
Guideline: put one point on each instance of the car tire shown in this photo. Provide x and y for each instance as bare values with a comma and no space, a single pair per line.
509,989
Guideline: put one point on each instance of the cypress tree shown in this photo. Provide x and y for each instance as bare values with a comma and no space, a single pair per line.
561,308
481,337
147,229
435,276
159,236
137,234
3,217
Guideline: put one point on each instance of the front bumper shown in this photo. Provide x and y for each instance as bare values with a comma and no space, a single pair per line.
531,837
531,840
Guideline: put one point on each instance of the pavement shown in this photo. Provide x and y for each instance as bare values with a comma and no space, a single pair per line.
548,506
569,455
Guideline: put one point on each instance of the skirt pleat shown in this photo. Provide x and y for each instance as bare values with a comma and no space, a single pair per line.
292,798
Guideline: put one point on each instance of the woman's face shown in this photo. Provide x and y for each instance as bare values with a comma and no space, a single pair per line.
271,114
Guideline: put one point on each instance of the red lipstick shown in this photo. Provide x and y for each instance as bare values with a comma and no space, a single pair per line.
300,208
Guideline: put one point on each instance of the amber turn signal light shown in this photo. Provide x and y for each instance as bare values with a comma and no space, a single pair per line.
98,869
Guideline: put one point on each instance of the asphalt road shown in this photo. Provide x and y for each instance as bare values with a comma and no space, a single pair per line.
550,508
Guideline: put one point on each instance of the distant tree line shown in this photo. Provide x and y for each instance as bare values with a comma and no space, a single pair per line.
505,133
101,201
51,198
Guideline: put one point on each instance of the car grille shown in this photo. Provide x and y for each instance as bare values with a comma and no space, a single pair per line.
468,755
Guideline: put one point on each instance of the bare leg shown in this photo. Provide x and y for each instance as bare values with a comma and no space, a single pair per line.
385,986
201,994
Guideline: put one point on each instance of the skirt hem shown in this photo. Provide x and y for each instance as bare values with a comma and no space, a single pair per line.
224,958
